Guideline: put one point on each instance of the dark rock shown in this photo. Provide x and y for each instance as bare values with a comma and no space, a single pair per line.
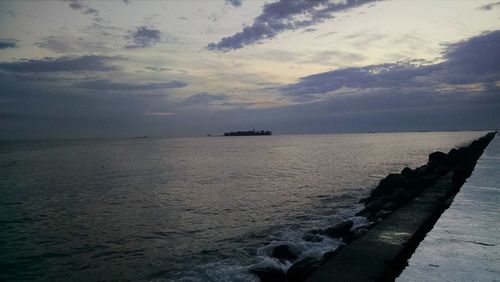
402,196
353,235
282,252
441,170
390,206
331,254
268,273
365,200
340,229
438,158
420,183
317,231
423,170
407,172
310,237
388,184
427,180
371,207
300,270
461,173
456,155
383,213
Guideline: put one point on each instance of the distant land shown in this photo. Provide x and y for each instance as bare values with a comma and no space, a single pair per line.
248,133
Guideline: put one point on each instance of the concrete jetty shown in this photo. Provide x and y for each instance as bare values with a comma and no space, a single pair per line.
382,252
464,245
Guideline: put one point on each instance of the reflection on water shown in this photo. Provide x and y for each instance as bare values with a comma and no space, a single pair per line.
169,208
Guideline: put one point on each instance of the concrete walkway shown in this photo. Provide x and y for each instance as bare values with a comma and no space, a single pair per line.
464,245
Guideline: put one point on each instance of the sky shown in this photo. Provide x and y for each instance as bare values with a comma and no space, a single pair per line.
91,69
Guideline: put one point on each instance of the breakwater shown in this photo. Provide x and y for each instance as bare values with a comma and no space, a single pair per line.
401,210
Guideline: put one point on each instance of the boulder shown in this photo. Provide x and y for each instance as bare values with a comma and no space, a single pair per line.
340,229
388,184
390,206
456,155
418,184
441,170
461,173
382,214
300,270
310,237
402,196
365,200
407,172
353,235
438,158
282,252
317,231
371,207
331,254
423,170
268,273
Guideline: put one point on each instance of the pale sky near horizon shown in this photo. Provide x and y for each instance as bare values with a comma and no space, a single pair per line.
189,68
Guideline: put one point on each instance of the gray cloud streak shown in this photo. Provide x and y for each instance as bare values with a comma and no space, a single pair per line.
107,85
282,16
61,64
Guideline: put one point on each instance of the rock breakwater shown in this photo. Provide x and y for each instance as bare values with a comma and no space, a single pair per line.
396,216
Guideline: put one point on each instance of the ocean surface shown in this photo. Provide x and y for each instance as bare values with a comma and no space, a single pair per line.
191,209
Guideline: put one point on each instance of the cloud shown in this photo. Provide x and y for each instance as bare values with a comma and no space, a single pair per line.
489,6
79,6
6,43
143,37
472,61
55,44
107,85
158,113
281,16
70,44
157,69
203,99
61,64
235,3
325,57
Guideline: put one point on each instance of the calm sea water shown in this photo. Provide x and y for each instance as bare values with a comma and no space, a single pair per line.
193,209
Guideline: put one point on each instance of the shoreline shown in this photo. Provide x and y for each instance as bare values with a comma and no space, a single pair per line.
382,253
401,210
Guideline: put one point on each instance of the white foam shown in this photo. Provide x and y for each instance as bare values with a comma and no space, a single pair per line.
358,222
292,237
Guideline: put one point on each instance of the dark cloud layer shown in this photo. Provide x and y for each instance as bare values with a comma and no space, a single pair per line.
107,85
143,37
281,16
6,43
459,93
61,64
476,60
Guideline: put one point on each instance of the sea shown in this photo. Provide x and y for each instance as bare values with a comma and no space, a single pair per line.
187,209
